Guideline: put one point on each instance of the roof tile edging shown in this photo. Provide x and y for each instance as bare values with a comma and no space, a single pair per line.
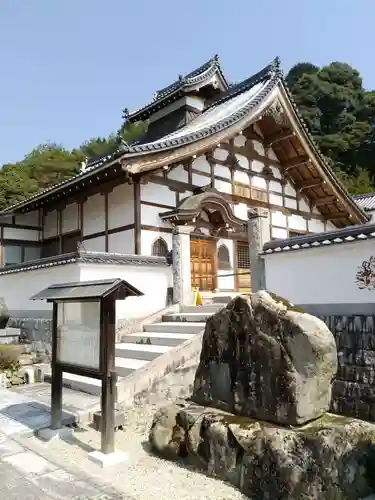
86,257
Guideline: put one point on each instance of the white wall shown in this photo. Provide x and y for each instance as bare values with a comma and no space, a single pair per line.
11,233
324,275
18,287
153,281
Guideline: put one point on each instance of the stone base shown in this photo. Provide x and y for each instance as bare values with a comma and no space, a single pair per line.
330,458
106,460
50,435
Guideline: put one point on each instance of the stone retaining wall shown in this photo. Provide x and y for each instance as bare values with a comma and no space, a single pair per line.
354,386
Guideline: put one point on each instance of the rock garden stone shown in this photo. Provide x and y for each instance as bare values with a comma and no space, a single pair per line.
329,459
4,313
263,358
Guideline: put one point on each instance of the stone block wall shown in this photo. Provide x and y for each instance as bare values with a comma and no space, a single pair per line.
37,334
354,386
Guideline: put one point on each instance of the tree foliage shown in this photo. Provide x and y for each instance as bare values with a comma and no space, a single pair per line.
340,114
51,163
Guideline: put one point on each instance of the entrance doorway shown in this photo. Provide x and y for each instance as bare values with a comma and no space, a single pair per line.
243,267
202,264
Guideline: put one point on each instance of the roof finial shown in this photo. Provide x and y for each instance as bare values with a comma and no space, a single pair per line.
276,63
216,57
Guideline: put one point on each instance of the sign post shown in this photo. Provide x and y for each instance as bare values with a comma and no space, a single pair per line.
83,343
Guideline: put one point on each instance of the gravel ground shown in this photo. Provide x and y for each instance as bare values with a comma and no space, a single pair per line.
143,476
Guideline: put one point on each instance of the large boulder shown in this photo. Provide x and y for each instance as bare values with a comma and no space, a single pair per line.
4,314
263,358
328,459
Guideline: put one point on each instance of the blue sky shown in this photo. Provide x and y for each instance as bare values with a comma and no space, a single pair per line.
69,67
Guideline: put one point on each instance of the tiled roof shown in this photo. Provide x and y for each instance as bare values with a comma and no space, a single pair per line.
222,113
346,235
191,79
82,256
365,201
227,110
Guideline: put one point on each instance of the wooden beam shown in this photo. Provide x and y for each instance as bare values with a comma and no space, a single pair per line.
280,136
295,162
336,215
310,184
324,201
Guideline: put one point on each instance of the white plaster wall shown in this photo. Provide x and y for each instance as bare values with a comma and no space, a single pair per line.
50,224
28,219
179,174
121,206
21,234
122,242
148,238
324,275
150,216
17,288
226,282
95,244
93,214
153,281
156,193
69,218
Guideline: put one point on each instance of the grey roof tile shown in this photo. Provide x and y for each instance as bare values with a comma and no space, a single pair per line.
346,235
365,201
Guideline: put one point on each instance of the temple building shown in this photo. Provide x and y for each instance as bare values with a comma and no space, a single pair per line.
222,170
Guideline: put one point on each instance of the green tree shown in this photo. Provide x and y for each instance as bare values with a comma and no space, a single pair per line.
340,115
51,163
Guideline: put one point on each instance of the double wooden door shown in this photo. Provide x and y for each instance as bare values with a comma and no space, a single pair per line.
203,264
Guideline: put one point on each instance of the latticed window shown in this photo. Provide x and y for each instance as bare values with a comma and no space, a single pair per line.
241,190
159,248
223,257
259,194
243,256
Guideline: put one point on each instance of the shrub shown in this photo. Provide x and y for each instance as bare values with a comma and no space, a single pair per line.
9,356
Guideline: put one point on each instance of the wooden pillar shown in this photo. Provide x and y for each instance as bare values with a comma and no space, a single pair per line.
137,218
109,386
106,236
56,379
59,230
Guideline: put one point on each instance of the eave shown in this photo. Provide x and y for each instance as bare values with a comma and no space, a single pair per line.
190,82
345,211
95,176
350,234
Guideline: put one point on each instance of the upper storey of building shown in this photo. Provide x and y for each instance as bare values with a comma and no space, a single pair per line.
200,111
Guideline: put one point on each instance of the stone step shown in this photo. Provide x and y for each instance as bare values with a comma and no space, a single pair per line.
146,352
189,317
175,327
158,338
209,308
80,383
221,299
126,366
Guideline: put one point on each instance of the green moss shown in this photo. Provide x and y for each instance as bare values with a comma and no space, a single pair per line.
286,303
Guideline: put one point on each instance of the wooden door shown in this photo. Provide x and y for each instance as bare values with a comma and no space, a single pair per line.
243,267
202,264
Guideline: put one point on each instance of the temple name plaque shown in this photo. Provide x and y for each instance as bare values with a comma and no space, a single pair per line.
78,334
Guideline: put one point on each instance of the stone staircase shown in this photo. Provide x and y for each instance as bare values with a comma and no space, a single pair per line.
138,349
